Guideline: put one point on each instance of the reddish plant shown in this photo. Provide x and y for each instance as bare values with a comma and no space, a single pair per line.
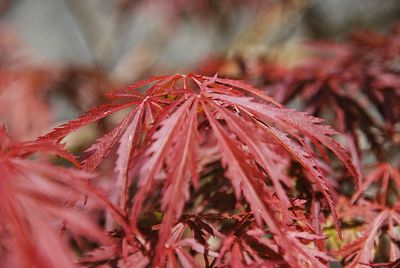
187,131
203,171
376,214
36,200
347,83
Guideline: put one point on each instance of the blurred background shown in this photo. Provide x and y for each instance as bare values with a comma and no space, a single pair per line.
59,57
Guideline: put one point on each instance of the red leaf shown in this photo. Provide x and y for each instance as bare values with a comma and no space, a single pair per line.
91,116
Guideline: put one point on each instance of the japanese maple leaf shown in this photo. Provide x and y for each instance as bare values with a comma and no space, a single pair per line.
176,251
347,81
159,143
378,214
362,251
387,178
35,197
249,245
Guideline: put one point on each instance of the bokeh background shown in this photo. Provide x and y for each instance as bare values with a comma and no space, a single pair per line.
59,57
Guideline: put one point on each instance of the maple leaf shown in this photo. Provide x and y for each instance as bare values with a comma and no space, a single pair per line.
162,138
35,197
248,245
376,216
355,81
389,179
361,251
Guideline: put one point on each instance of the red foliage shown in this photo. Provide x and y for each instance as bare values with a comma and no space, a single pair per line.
204,171
347,82
178,134
378,213
36,204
